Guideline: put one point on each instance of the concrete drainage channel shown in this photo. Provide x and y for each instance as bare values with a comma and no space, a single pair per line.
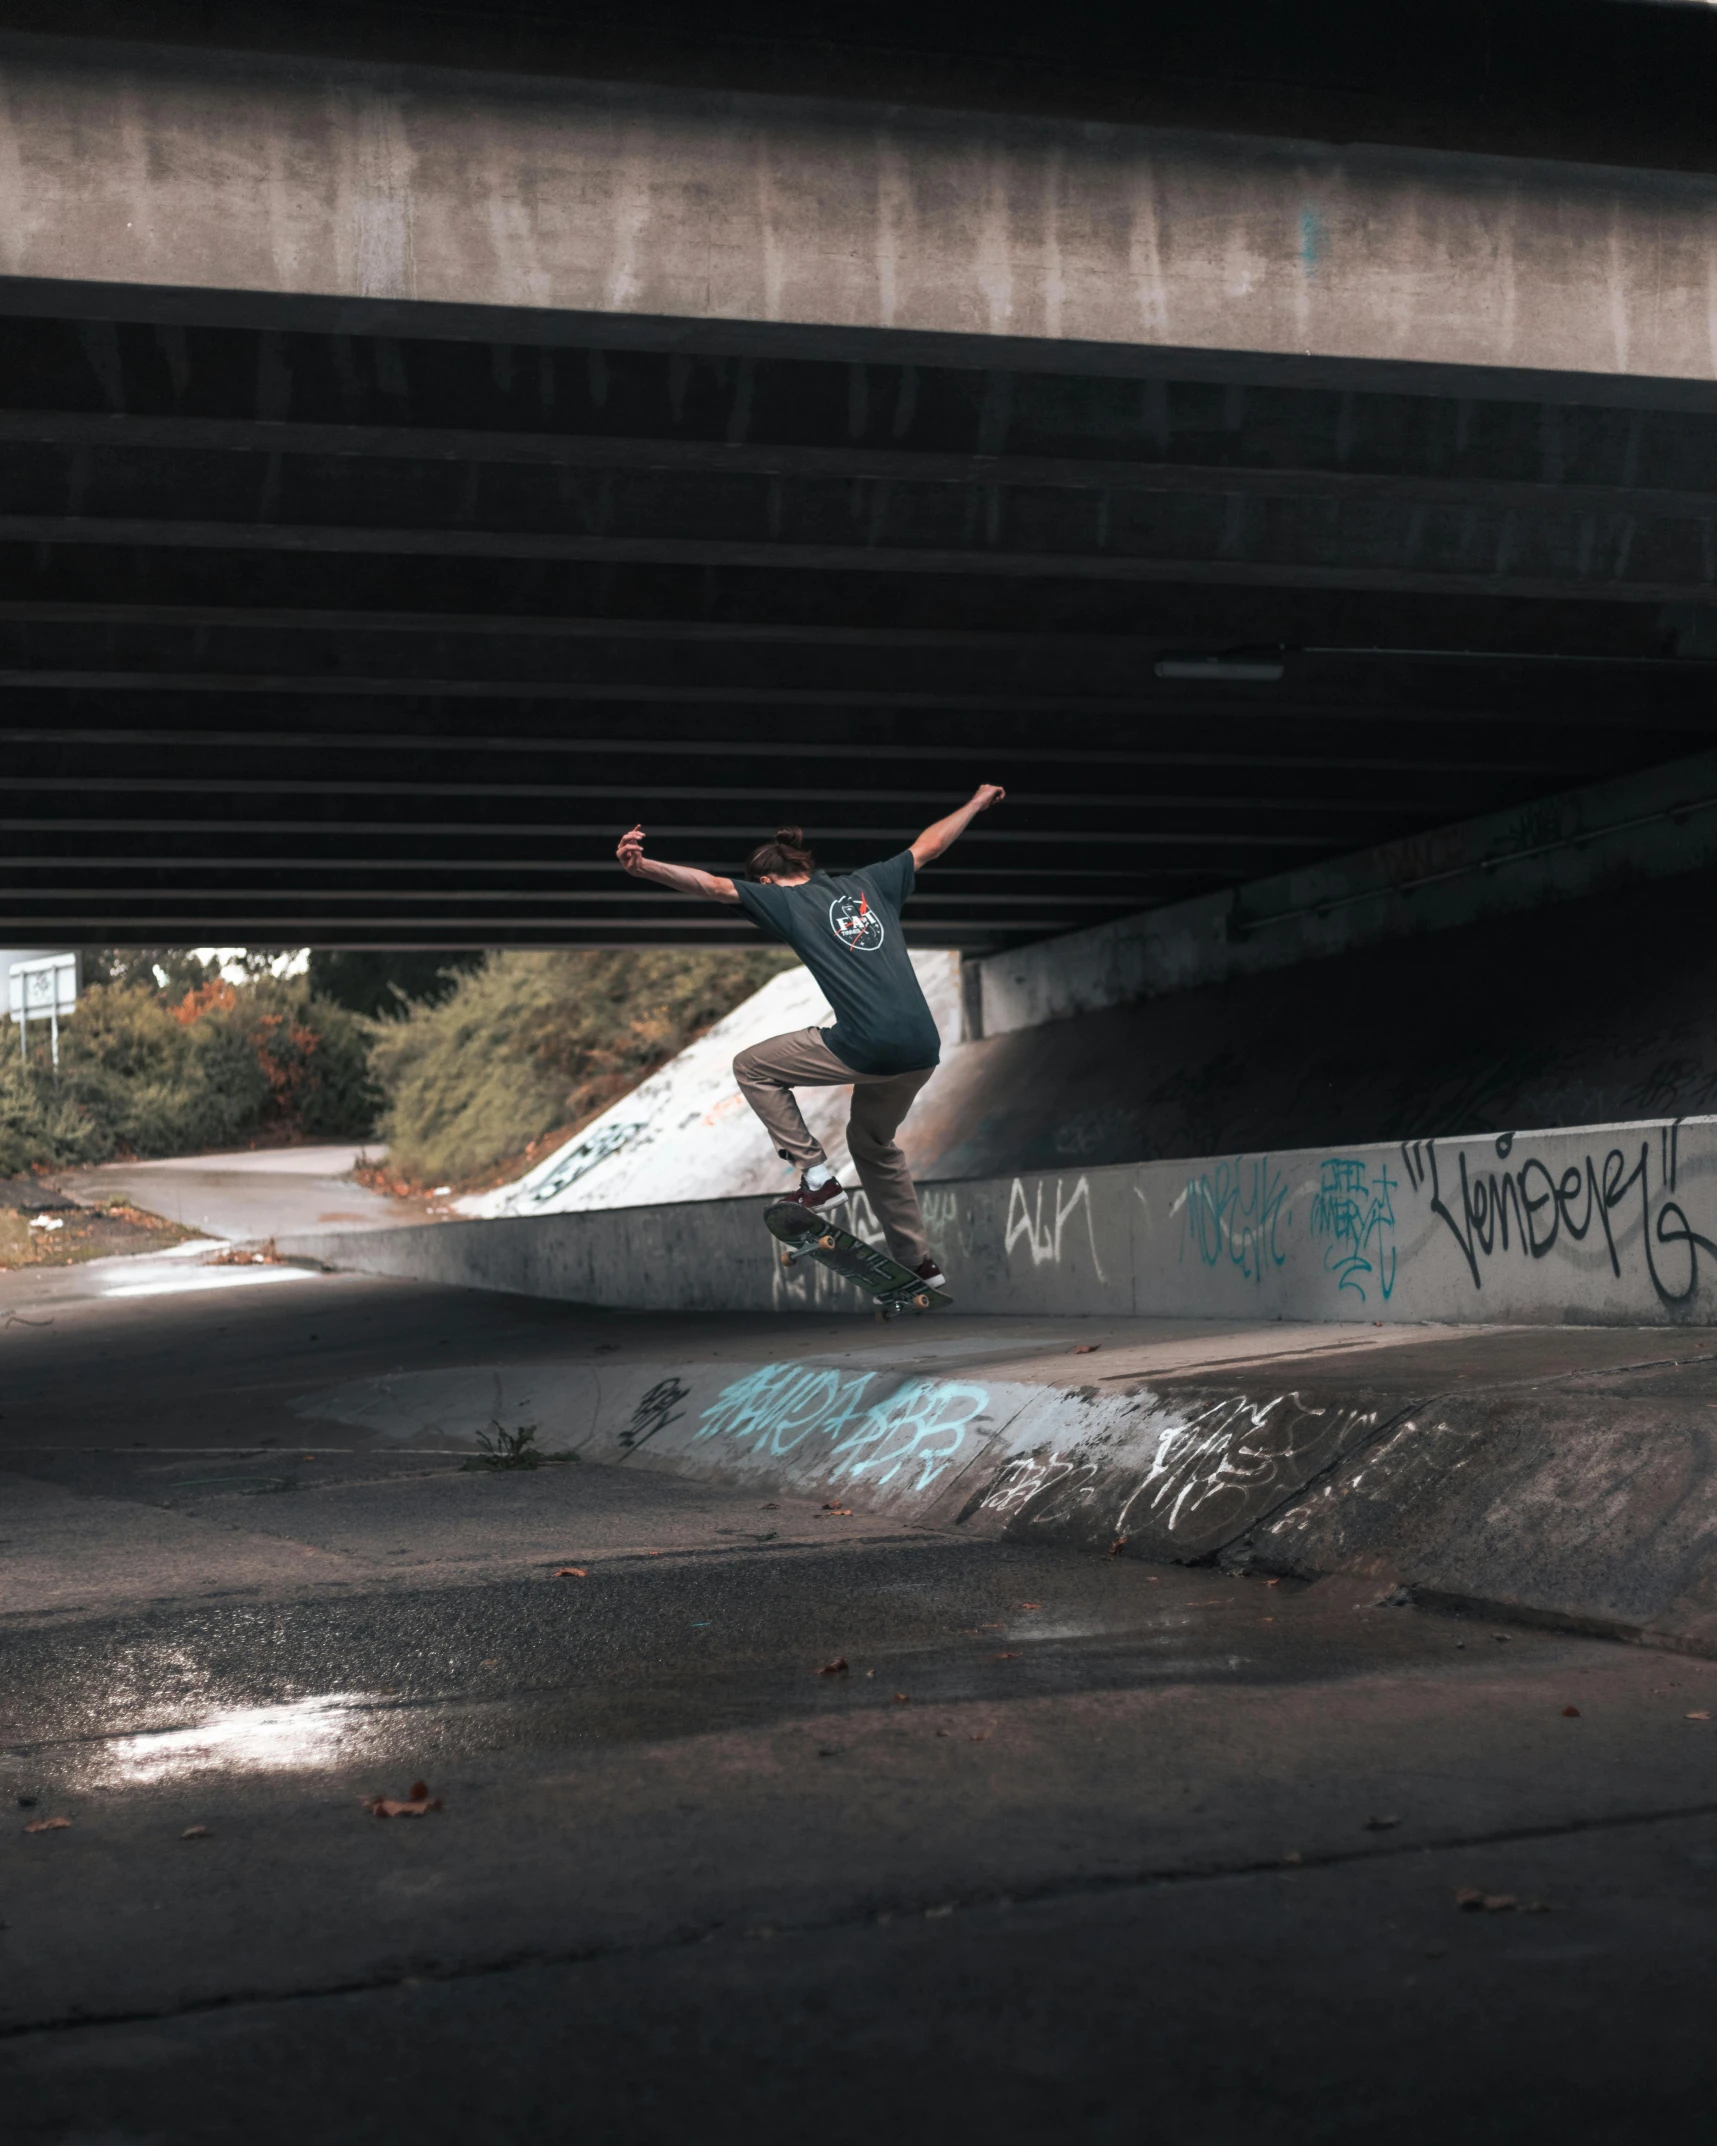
1563,1485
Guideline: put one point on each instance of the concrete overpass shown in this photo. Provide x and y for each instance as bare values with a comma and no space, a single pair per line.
433,437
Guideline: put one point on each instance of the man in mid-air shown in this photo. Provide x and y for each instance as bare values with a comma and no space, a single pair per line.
845,928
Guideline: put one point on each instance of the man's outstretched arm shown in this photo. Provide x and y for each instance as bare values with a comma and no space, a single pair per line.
683,878
945,833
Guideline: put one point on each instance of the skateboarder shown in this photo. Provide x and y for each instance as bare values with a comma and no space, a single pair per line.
845,927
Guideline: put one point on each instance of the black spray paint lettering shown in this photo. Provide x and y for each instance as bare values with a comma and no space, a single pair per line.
659,1407
1538,1204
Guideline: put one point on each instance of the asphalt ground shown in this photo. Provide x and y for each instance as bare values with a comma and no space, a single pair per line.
1074,1847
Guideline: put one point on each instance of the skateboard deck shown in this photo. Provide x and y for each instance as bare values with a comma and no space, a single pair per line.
808,1236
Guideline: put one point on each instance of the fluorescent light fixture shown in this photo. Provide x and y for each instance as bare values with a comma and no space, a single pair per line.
1243,670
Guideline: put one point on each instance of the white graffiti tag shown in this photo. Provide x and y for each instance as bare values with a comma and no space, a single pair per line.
1043,1233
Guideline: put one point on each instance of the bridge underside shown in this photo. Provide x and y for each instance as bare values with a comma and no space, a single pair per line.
470,470
347,639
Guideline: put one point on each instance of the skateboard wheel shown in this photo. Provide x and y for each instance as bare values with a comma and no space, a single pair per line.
786,1259
923,1303
825,1244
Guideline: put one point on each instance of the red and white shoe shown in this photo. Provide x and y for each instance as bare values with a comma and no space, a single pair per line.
930,1274
818,1199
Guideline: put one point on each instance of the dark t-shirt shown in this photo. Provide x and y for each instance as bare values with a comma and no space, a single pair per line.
845,928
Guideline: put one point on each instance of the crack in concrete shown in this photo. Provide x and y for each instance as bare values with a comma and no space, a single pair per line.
875,1916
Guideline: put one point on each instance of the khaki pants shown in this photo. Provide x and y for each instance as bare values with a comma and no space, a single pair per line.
767,1075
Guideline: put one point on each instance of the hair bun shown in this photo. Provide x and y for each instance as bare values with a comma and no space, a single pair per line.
794,837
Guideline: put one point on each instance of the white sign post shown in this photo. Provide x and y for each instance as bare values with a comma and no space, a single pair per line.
48,986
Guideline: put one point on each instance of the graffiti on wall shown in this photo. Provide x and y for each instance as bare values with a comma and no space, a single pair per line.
1201,1480
1527,1206
1043,1234
1236,1212
911,1435
658,1408
578,1161
1353,1213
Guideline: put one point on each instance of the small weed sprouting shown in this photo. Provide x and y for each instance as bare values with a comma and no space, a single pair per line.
510,1449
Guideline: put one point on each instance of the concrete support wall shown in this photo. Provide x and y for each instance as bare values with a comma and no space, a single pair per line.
226,173
1650,825
1611,1224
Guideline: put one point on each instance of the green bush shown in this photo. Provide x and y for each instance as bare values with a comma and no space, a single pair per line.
37,1123
534,1043
146,1071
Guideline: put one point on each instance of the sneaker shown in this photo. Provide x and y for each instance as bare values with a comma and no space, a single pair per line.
818,1198
927,1271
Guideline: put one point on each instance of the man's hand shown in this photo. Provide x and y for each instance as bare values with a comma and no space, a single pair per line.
682,878
934,840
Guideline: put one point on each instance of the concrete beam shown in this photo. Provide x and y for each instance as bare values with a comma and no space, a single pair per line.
564,204
1649,825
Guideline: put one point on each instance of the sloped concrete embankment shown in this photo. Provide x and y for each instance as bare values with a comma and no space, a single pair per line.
1608,1224
1586,1499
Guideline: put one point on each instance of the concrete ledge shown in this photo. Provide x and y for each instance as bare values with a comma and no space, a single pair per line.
1174,1475
1532,1474
1600,1225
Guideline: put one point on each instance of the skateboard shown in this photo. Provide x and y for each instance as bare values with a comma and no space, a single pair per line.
807,1236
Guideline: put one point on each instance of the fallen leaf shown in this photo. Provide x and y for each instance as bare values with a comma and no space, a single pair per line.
936,1914
1701,1716
1381,1825
1007,1657
571,1572
490,1661
772,1507
1570,1713
1272,1583
47,1825
195,1833
836,1668
1031,1605
979,1736
1087,1348
1118,1546
900,1699
844,1512
416,1805
1293,1856
1474,1900
1503,1637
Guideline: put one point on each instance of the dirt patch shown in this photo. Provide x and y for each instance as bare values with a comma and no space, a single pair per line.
57,1235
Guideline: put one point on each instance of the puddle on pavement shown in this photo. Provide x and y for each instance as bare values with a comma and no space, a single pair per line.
330,1729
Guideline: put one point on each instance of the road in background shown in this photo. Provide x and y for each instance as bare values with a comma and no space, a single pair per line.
248,1196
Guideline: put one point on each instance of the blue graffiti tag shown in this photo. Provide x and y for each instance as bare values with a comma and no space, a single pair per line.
921,1425
1234,1212
1354,1211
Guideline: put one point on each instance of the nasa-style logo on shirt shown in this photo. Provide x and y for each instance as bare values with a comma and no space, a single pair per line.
855,923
